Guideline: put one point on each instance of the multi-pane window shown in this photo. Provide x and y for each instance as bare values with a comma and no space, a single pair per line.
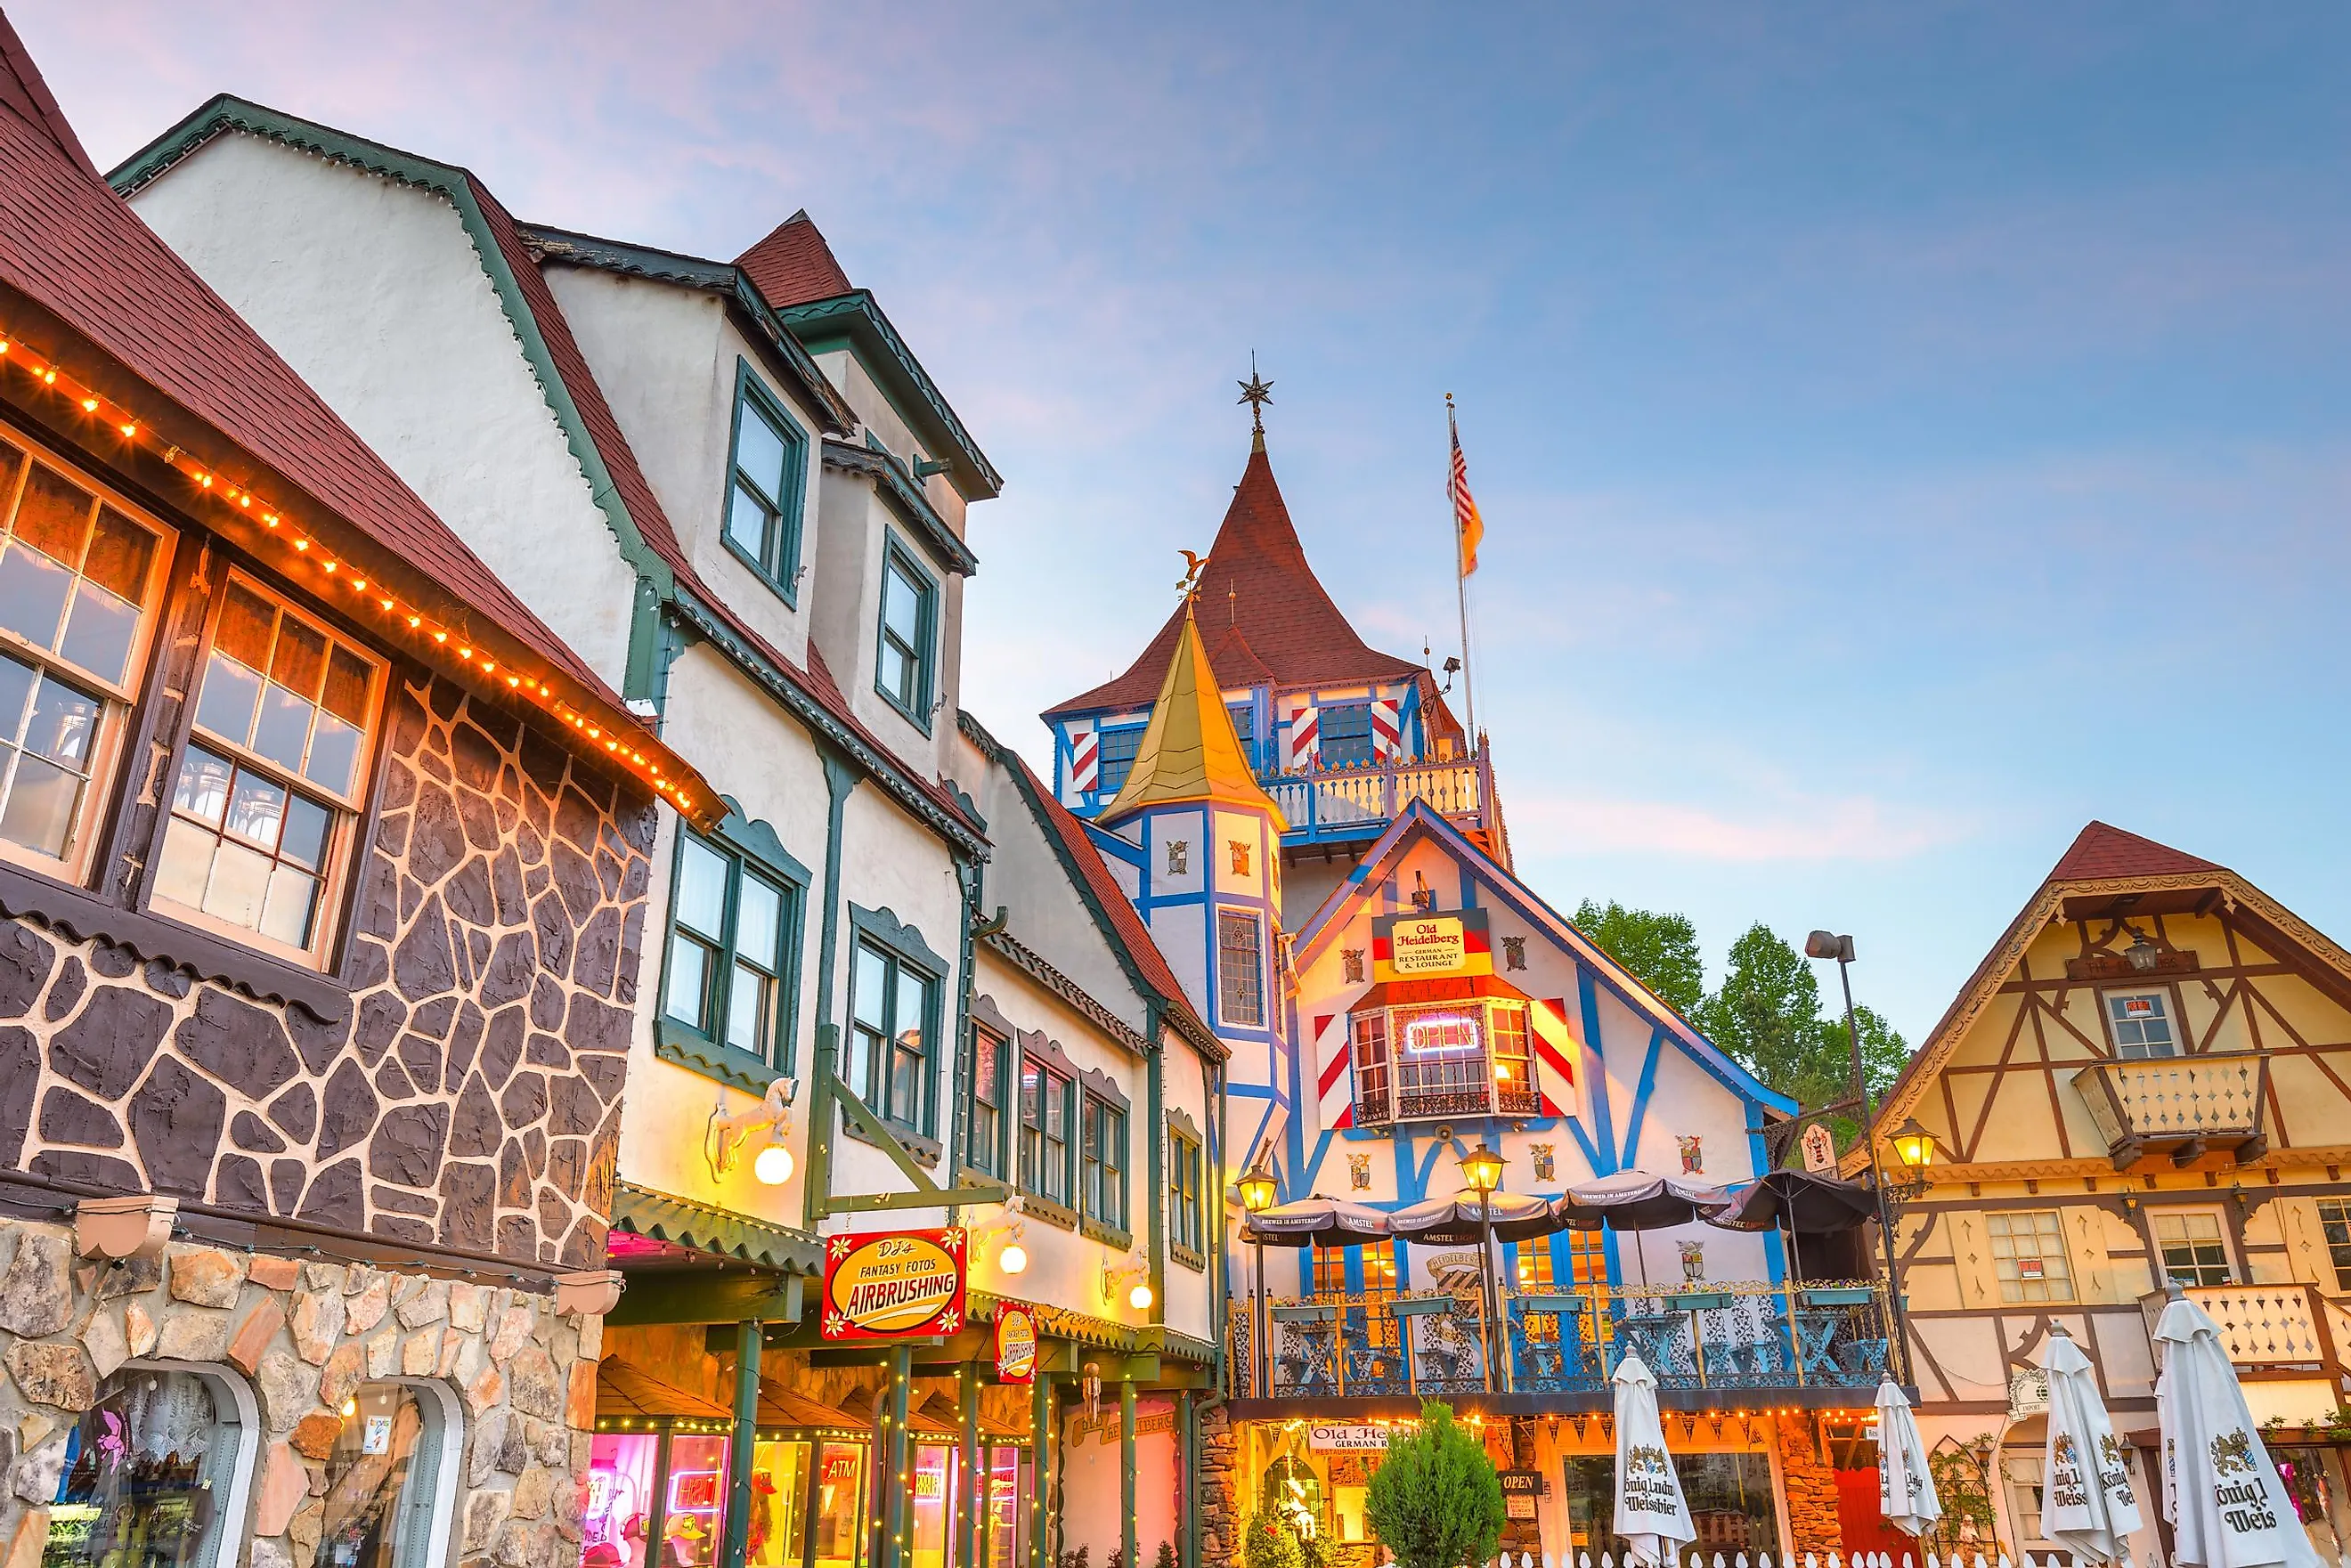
763,501
1240,968
2140,1022
1587,1256
1454,1059
1101,1160
1514,1076
892,1008
1115,751
730,949
2335,1225
1330,1270
1184,1165
1244,718
1371,1034
989,1082
78,581
2022,1472
2194,1253
1044,1131
902,671
1534,1268
2028,1252
1344,735
269,788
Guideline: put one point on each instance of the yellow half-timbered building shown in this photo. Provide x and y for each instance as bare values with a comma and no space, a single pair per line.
2146,1079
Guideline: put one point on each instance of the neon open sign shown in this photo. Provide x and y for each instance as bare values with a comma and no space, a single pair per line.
1442,1034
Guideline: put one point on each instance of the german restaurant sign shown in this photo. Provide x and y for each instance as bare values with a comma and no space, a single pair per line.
893,1284
1425,943
1016,1344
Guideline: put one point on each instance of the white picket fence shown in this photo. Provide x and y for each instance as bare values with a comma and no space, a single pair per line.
1763,1560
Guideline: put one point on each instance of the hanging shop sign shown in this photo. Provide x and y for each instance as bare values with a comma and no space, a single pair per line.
1820,1149
1352,1436
893,1284
1521,1491
1016,1344
1418,945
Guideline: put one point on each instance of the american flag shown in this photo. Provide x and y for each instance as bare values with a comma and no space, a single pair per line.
1469,528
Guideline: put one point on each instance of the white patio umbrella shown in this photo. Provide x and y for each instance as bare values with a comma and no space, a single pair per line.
1906,1487
2087,1504
2227,1505
1651,1514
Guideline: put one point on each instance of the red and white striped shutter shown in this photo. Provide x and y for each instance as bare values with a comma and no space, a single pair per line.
1305,743
1387,730
1085,758
1334,1082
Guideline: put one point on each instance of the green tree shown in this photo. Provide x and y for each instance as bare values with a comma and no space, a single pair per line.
1884,1051
1268,1543
1660,949
1435,1500
1767,1012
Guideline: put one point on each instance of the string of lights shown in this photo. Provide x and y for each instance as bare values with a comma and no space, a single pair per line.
394,610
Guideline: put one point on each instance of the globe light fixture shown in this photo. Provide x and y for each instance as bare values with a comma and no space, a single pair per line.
774,1166
1012,1259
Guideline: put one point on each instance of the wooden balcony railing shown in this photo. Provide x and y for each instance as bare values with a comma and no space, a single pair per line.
1745,1335
2264,1328
2185,1106
1354,802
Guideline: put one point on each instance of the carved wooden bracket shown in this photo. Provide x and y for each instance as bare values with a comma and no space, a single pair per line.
124,1227
593,1292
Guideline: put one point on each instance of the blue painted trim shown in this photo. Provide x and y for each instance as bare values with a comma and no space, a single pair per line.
1116,847
1604,1128
1314,1166
1583,1140
1629,1159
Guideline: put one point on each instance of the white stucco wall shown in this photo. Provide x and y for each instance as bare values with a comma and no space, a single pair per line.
373,292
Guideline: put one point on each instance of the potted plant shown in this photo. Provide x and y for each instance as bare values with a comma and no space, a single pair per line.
1436,1501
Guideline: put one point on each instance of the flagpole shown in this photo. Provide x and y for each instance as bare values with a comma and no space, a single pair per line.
1460,578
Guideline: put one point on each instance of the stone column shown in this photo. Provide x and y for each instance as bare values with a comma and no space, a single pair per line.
1813,1524
1218,1517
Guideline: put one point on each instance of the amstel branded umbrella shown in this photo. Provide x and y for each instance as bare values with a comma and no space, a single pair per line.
2227,1505
2087,1506
1651,1514
1905,1487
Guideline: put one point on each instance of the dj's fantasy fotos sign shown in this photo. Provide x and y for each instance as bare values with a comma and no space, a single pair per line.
893,1284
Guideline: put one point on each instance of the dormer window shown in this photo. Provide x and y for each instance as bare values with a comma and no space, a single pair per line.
1346,735
902,670
763,500
1452,1058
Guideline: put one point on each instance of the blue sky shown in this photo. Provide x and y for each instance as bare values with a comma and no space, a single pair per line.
1904,433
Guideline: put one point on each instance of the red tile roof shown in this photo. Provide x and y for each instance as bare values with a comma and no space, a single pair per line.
1132,933
794,264
2100,851
69,244
1257,581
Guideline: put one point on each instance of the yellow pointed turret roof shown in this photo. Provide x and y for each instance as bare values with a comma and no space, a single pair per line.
1189,750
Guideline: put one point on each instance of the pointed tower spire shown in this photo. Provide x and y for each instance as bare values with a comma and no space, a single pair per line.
1190,751
1257,392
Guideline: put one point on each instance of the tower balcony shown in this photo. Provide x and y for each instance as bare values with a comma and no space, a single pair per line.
1337,805
2183,1107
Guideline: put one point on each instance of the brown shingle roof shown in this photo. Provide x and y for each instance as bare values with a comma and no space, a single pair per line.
75,250
2100,851
794,264
1256,580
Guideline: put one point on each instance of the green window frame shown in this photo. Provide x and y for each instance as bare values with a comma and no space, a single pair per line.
1046,1109
1101,1160
906,635
1186,1162
991,1112
893,1028
730,970
767,486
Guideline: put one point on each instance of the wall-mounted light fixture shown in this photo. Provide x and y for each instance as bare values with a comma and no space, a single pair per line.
1139,1296
1011,1257
724,1138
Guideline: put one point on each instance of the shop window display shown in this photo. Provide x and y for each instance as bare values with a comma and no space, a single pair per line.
778,1534
1730,1498
620,1499
934,1504
147,1469
839,1513
694,1523
380,1479
1004,1511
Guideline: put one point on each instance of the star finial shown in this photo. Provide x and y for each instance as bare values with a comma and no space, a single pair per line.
1256,391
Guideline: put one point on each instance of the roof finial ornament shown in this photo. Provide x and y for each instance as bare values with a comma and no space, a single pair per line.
1190,581
1257,392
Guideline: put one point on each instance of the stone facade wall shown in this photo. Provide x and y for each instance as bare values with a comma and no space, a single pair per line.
1813,1523
472,1097
305,1335
1220,1519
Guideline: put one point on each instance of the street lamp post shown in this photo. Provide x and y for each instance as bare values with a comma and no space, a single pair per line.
1481,1167
1257,1192
1829,944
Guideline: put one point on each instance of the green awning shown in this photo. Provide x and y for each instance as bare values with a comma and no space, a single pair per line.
707,1228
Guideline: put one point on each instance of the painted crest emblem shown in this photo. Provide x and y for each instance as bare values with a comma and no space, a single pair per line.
2066,1455
2233,1454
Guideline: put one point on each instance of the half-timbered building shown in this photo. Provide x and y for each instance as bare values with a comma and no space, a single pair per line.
2147,1081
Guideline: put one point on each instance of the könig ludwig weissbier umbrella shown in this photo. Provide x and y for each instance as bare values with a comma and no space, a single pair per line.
2087,1505
1905,1487
1651,1515
2227,1505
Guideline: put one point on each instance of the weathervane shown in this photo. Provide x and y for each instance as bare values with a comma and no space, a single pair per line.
1189,583
1257,392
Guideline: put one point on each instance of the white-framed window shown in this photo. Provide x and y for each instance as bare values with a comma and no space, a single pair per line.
1448,1058
267,796
165,1455
2028,1252
2193,1244
2022,1470
392,1478
2141,1023
81,577
1240,968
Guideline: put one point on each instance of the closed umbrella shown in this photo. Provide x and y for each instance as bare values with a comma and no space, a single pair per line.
2227,1505
1905,1487
2087,1506
1651,1514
